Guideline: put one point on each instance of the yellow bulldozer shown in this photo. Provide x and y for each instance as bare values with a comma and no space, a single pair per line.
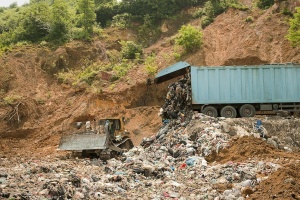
104,138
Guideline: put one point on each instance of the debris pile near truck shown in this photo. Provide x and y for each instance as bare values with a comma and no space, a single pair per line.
177,109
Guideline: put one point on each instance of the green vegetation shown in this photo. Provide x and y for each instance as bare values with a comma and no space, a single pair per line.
264,4
35,26
121,69
249,19
294,30
149,31
190,38
150,65
213,8
55,23
237,5
11,99
74,77
87,17
130,50
122,20
60,21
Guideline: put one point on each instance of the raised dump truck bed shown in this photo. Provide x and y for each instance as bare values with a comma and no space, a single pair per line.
231,90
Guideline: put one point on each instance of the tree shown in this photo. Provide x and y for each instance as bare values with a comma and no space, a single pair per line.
13,5
189,37
294,30
35,25
88,16
60,22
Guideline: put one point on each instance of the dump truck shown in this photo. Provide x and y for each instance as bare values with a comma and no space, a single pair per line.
104,138
239,91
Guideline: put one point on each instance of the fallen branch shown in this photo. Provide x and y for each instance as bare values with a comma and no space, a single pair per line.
14,112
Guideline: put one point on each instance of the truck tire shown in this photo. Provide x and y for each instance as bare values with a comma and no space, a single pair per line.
210,111
228,112
84,154
247,110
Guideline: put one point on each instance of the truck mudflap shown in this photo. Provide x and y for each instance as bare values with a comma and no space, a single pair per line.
79,142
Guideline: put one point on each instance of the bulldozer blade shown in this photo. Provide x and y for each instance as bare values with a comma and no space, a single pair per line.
83,142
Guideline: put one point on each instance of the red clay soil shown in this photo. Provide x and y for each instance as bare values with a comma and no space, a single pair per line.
282,184
248,147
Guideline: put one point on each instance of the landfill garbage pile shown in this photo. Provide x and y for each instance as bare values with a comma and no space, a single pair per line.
172,164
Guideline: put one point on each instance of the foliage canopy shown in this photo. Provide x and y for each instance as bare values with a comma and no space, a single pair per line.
58,21
190,38
294,30
264,4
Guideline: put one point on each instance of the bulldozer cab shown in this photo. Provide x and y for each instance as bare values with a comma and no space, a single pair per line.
111,126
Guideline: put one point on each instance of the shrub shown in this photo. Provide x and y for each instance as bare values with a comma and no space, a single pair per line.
114,56
122,20
294,30
149,32
97,31
211,9
189,37
150,65
249,19
264,4
121,69
287,12
205,21
130,49
87,75
198,13
11,99
238,6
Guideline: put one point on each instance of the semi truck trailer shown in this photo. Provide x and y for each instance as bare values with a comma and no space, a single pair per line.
231,91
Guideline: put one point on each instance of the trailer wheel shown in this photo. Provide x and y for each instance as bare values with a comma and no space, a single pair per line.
84,154
228,112
247,110
210,111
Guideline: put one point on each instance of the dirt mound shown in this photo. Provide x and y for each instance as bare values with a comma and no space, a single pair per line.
283,184
249,147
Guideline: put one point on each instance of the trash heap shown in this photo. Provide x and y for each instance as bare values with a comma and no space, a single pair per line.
169,165
177,109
